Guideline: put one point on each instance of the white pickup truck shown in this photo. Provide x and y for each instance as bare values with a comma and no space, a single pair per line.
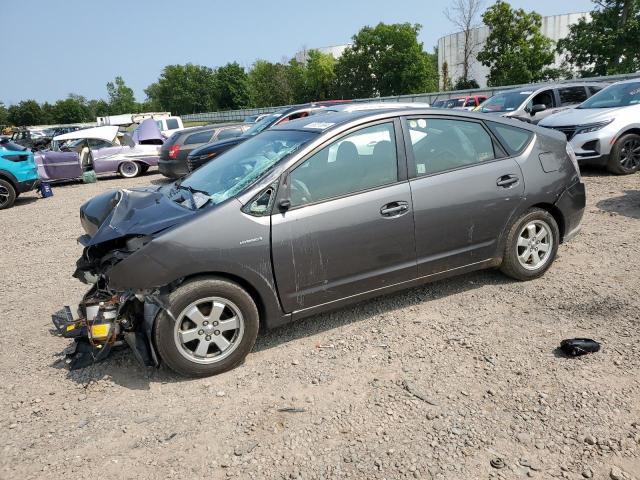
167,123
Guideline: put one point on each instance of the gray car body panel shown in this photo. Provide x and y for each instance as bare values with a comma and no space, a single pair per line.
289,260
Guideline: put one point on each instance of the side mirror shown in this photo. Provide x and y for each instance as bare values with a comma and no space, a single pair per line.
537,108
284,204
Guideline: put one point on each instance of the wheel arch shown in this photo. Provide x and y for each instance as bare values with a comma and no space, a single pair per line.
634,129
4,175
557,215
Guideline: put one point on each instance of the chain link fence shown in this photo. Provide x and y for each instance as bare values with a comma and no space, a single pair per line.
240,115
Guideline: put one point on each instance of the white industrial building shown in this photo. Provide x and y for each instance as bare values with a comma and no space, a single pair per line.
451,47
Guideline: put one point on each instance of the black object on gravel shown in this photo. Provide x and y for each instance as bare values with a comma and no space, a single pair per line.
574,347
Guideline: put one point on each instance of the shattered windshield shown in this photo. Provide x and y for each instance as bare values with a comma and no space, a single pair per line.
238,168
618,95
504,102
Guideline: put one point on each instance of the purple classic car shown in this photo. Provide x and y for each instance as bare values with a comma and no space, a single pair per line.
103,150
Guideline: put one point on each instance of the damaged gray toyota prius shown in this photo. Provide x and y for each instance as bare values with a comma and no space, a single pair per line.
313,215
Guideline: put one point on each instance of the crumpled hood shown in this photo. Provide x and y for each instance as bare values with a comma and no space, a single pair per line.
579,116
120,213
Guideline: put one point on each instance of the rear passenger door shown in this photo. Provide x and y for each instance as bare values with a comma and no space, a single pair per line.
464,188
349,228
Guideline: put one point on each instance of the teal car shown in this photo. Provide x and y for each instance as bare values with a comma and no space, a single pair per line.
18,172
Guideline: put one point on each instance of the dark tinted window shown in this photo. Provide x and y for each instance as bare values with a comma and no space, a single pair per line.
514,139
200,137
572,95
442,144
471,102
172,123
359,161
229,133
594,89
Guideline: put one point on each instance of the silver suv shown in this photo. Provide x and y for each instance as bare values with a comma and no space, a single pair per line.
605,130
532,104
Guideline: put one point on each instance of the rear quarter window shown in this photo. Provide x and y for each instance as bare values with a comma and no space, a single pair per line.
172,124
513,139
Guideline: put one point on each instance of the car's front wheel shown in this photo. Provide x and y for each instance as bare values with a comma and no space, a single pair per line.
7,194
531,246
215,326
625,155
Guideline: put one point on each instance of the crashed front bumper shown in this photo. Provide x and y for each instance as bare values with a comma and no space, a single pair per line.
97,329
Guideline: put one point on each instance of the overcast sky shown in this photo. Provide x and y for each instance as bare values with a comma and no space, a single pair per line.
55,47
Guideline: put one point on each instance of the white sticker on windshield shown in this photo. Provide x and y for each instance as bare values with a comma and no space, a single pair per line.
319,125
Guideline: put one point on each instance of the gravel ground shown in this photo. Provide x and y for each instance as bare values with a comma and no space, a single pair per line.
435,382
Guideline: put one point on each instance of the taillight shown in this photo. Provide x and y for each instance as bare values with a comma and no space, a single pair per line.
173,151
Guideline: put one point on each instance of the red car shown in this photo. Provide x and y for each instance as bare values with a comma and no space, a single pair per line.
468,103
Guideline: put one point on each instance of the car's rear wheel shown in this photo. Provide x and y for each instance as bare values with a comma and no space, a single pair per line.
625,155
531,246
7,194
129,169
216,325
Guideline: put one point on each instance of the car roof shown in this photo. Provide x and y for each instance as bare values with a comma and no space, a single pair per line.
334,119
544,86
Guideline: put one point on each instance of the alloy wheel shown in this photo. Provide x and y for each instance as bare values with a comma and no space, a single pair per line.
209,330
535,243
630,154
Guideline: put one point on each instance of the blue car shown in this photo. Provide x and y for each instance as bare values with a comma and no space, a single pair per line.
18,172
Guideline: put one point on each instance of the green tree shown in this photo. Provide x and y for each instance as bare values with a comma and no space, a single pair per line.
462,84
73,109
320,76
516,51
184,89
232,90
296,72
269,84
27,112
384,60
446,78
4,114
608,44
97,108
121,97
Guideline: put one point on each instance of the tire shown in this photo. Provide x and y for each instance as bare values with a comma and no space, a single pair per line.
625,155
129,169
7,194
520,254
192,345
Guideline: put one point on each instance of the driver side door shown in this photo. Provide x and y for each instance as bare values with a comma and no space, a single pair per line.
349,228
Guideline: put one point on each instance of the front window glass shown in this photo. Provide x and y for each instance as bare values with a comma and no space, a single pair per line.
229,133
543,98
617,95
359,161
440,144
505,102
236,169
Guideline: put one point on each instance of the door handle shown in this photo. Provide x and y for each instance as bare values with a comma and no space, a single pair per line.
394,208
507,180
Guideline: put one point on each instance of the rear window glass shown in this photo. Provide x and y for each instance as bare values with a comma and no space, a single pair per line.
200,137
514,139
172,124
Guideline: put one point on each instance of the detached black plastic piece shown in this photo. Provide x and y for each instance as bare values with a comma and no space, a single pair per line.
85,354
574,347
